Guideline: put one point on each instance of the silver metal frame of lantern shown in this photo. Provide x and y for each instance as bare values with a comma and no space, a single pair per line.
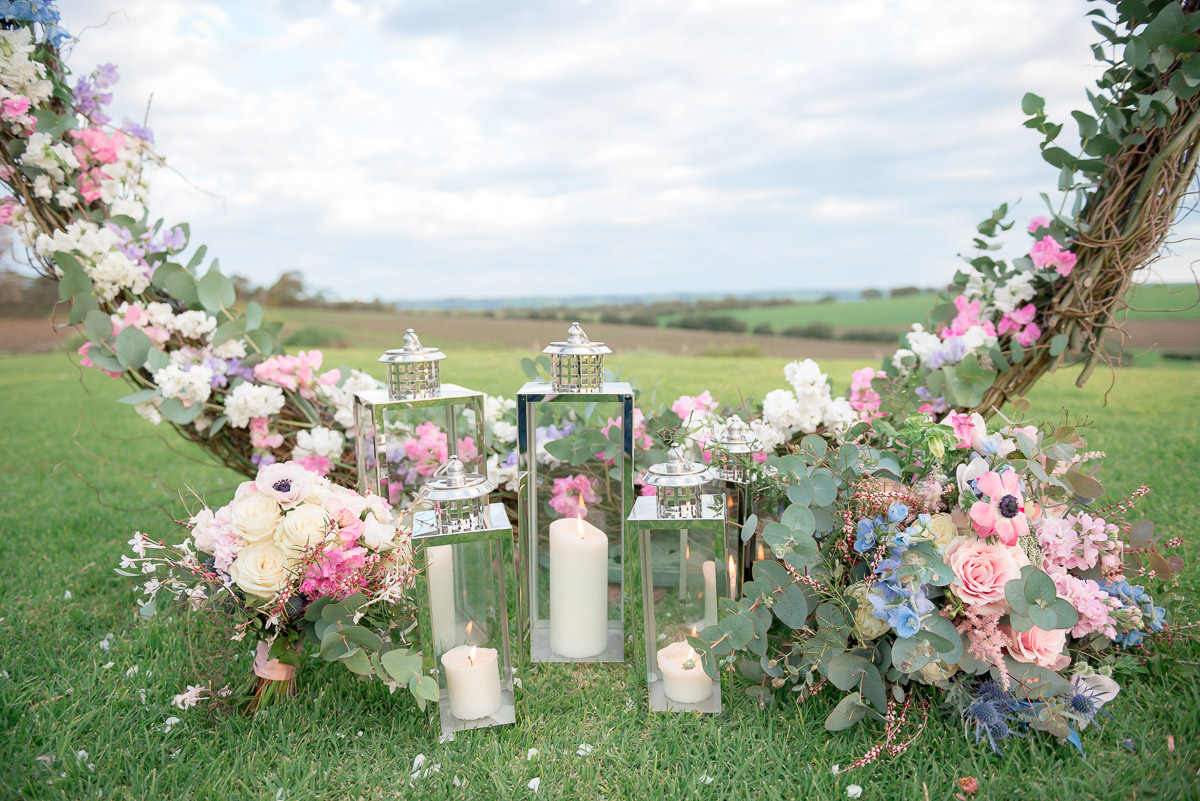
462,516
644,520
413,384
732,447
530,399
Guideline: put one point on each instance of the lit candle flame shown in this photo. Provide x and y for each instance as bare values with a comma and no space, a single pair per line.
471,655
579,522
687,552
761,554
694,632
691,657
470,623
732,578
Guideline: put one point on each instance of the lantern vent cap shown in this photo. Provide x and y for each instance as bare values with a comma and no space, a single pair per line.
453,482
734,438
577,344
677,471
412,352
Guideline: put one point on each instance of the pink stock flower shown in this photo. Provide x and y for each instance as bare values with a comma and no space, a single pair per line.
862,397
1079,542
572,494
1038,647
1037,222
1002,514
260,436
700,405
1047,253
1091,602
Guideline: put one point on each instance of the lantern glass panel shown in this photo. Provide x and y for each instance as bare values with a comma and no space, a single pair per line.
575,447
685,571
401,442
467,597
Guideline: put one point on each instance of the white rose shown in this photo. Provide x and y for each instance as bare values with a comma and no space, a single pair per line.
318,492
260,570
202,525
302,528
377,536
941,530
255,517
936,671
869,626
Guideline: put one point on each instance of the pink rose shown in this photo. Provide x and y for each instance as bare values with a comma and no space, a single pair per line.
1038,647
981,569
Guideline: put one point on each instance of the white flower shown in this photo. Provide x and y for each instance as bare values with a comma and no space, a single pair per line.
840,416
804,376
188,699
975,338
194,324
190,385
303,528
704,777
504,432
320,442
168,723
975,287
254,516
782,410
231,349
202,422
42,188
898,359
106,643
128,207
495,406
160,314
767,435
65,197
376,535
1017,291
923,343
247,401
1099,688
853,791
260,569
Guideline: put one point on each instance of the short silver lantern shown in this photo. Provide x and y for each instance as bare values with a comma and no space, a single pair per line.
577,365
685,571
575,451
734,449
404,431
466,598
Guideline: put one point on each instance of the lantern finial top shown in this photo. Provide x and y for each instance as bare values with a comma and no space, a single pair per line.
734,438
577,344
412,352
576,335
453,482
411,341
677,471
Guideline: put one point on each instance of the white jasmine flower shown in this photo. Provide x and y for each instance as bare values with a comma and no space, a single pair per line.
192,696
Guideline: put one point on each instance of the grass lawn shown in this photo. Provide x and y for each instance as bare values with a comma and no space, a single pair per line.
81,472
1149,302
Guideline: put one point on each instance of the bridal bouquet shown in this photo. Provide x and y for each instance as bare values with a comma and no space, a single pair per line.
293,557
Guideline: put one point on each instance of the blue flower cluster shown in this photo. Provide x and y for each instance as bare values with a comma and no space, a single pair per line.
1134,595
39,12
995,713
897,600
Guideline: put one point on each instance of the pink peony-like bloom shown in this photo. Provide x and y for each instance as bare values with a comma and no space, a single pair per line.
688,405
1037,222
1002,514
286,482
1038,647
1047,253
981,569
1093,604
572,494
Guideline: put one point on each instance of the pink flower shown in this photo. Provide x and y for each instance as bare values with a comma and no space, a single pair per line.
95,143
1038,647
862,397
966,319
1028,335
316,463
260,436
296,373
969,428
86,362
6,212
427,449
14,106
1048,253
701,405
1037,222
1003,513
981,569
641,439
1078,542
334,573
1019,322
572,494
1092,603
286,482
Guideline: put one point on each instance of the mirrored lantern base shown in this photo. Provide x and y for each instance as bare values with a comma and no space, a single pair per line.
507,714
540,650
659,702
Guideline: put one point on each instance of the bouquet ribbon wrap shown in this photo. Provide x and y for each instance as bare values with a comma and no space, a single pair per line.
271,669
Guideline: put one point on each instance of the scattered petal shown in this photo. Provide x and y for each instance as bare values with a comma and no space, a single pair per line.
133,671
107,665
168,723
530,754
418,761
360,734
836,769
81,755
969,785
520,685
853,791
704,777
3,674
1128,744
47,759
457,781
1170,744
188,699
534,784
67,595
106,643
584,750
446,737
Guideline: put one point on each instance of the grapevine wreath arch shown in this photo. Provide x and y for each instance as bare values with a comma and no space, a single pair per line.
871,474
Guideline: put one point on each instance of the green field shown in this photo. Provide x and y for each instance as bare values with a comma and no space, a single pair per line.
81,472
1146,303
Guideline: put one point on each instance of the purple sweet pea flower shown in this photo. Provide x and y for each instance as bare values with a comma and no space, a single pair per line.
141,132
106,76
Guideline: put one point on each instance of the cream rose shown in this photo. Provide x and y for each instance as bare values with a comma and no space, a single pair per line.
1038,646
869,626
377,536
941,530
260,569
302,528
936,671
254,517
318,492
981,569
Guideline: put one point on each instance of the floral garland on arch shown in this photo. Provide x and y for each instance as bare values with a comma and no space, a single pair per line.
862,484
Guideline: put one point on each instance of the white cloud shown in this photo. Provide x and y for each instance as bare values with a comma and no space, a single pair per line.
572,147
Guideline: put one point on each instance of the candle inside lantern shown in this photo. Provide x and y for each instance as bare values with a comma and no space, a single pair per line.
472,681
578,588
733,593
441,596
684,680
709,569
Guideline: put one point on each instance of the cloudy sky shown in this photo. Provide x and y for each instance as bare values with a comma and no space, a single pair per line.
474,148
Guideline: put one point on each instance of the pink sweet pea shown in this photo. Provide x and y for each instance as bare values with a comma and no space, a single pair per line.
1038,222
572,494
969,428
260,436
1002,513
862,397
1048,253
86,362
688,405
1019,323
317,464
967,318
6,212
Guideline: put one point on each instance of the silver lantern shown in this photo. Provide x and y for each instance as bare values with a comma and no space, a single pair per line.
685,571
416,405
734,449
466,598
575,451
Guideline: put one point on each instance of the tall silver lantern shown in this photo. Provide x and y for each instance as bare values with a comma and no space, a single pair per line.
466,598
733,451
685,571
400,430
575,443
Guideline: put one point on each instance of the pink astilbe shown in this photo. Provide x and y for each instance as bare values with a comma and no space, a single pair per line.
572,494
985,641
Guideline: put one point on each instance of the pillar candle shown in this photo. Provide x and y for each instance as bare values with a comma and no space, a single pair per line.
709,569
472,681
578,589
441,596
685,685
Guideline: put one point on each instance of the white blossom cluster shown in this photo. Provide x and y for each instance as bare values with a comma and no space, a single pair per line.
20,73
191,385
342,398
807,406
98,251
319,441
248,401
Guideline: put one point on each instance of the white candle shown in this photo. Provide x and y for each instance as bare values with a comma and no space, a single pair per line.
686,685
578,589
441,596
473,681
709,569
